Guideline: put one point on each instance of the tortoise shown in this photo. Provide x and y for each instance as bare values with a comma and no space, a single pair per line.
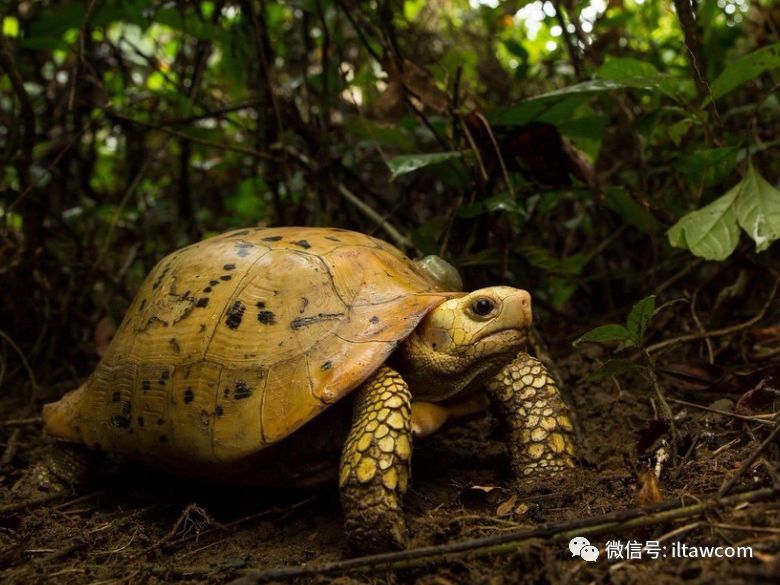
293,356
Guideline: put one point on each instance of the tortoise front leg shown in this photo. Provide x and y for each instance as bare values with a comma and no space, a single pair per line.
375,464
536,420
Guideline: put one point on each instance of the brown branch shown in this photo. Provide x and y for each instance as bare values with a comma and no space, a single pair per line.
687,20
398,238
509,542
753,419
748,463
27,116
571,46
21,422
719,332
207,143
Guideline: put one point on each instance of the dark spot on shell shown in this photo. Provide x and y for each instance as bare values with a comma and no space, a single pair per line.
174,345
120,422
266,317
213,282
304,304
126,407
229,267
202,302
142,305
374,319
235,314
164,375
326,366
239,234
159,279
272,239
242,391
163,439
219,411
332,239
260,304
207,289
301,322
225,277
189,395
202,327
160,421
140,421
146,385
115,396
303,244
242,249
226,393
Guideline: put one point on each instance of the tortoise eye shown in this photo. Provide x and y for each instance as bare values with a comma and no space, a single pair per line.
482,307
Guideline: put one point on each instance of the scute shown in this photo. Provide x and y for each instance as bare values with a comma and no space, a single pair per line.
233,343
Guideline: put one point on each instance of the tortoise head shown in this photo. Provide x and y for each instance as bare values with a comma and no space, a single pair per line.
466,340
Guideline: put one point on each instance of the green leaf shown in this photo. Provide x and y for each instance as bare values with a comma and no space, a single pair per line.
544,259
571,97
639,318
707,166
625,68
248,202
758,209
619,201
10,26
607,333
679,129
401,165
743,70
44,43
710,232
613,368
387,135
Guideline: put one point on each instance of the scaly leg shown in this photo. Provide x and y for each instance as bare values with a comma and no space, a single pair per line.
65,468
375,464
536,420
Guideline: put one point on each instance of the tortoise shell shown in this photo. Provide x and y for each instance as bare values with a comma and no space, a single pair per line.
233,343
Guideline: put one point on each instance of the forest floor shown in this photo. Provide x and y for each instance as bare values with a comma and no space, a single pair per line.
138,526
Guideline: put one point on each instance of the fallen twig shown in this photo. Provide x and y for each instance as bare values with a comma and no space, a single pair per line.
11,448
719,332
21,422
747,463
508,542
754,419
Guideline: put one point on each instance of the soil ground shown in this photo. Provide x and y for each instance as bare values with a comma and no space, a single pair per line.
139,526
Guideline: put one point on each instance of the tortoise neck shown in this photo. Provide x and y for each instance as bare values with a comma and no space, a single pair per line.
436,376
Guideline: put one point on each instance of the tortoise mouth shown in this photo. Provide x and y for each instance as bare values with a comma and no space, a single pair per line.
507,339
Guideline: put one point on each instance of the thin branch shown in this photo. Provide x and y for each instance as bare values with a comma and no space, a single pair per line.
400,240
748,463
753,419
719,332
207,143
510,542
571,46
27,116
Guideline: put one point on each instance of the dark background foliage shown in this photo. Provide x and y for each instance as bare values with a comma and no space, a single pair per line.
133,127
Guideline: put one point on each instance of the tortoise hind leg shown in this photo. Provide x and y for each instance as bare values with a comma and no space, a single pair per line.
375,464
64,469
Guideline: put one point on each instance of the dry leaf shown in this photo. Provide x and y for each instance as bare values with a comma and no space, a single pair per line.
649,489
